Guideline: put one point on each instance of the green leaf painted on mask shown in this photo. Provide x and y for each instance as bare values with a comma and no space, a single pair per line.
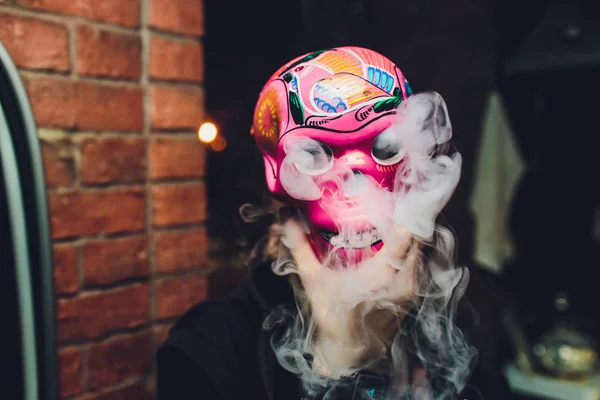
389,103
296,109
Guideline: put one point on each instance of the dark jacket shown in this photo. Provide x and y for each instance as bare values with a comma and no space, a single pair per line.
218,350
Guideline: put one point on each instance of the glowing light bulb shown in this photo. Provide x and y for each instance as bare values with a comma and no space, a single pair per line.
207,132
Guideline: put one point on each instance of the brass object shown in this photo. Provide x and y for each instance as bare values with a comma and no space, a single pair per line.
566,353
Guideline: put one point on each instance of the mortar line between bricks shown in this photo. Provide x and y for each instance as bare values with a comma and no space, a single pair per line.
49,71
79,263
85,355
184,182
97,290
132,186
59,18
176,82
108,81
175,136
105,336
173,132
176,37
122,283
84,239
76,136
145,84
172,83
72,49
99,236
179,228
179,181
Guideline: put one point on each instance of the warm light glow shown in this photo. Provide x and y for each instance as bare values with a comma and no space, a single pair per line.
218,144
207,132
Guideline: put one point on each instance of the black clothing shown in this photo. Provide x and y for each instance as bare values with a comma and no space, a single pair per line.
219,351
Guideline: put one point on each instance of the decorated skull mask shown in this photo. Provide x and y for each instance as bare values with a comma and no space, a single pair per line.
337,135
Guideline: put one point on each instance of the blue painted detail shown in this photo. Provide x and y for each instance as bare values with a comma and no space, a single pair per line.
336,105
370,74
408,88
381,79
384,78
390,85
377,77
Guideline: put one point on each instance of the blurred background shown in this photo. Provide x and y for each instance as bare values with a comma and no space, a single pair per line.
126,154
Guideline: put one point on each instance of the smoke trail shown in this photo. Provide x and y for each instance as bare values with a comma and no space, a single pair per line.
391,309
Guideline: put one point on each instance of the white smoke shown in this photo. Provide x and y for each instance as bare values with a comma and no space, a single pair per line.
357,314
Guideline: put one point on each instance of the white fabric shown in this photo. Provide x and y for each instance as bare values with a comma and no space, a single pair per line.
498,170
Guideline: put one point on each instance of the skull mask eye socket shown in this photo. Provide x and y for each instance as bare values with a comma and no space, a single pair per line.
313,157
387,148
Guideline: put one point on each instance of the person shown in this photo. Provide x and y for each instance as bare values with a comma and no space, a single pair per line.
353,293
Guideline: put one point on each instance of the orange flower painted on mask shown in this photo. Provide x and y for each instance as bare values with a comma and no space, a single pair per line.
267,121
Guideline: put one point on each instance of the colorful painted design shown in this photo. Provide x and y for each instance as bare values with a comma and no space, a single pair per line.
381,79
373,59
268,120
387,168
407,88
343,92
389,103
339,61
339,90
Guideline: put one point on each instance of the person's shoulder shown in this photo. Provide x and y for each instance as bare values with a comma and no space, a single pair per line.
215,336
207,313
215,321
208,344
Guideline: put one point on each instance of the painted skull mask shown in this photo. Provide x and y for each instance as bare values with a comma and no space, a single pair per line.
320,123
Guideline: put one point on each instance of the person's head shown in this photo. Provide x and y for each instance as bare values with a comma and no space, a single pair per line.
366,165
345,141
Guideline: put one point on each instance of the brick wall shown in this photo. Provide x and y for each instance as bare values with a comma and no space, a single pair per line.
116,89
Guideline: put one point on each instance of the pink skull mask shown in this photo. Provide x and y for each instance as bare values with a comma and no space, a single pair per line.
328,124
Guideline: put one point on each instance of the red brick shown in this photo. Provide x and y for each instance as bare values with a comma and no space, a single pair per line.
161,332
174,204
181,16
108,54
175,296
35,44
175,60
69,367
118,358
115,11
66,277
177,158
113,160
176,107
84,105
94,314
59,163
90,212
180,251
110,261
130,391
